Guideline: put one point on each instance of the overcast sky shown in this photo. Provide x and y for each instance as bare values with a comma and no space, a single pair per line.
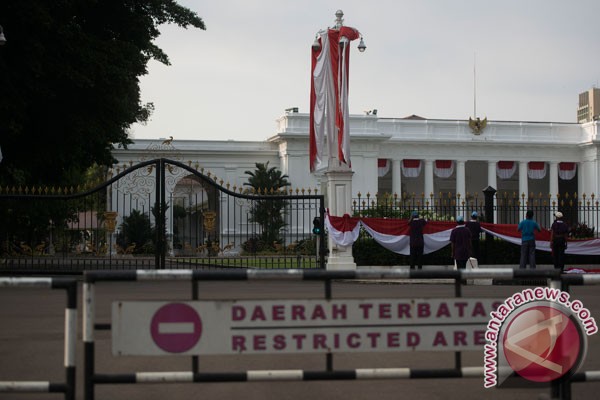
232,81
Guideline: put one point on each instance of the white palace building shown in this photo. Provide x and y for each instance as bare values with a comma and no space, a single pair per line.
411,156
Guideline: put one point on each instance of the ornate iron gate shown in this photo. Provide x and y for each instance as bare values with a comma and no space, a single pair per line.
156,214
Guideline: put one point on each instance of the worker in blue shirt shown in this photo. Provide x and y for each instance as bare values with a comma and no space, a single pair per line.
527,227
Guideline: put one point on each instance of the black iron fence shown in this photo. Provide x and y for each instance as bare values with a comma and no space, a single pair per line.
581,212
157,214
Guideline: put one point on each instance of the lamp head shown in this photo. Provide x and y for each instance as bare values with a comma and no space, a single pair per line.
361,46
316,46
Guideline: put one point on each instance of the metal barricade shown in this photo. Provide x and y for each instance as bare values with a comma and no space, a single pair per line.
552,277
70,337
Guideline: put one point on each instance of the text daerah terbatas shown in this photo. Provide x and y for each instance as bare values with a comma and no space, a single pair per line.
359,325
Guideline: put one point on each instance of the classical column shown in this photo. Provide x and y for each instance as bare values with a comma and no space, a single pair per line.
523,185
397,177
580,180
553,178
428,190
461,187
492,177
597,181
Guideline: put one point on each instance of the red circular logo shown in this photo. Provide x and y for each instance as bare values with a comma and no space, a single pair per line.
542,343
176,327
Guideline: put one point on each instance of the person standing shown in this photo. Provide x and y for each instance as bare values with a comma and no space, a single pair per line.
475,228
417,243
558,240
460,240
527,227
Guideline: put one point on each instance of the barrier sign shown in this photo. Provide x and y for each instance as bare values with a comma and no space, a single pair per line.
299,326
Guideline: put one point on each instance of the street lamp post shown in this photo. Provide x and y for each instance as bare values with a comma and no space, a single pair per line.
329,119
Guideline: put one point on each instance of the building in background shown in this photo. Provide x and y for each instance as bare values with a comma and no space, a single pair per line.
589,106
414,157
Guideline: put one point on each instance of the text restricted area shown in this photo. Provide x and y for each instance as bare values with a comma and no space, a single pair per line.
299,326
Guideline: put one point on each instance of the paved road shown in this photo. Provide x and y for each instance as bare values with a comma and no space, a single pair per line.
31,329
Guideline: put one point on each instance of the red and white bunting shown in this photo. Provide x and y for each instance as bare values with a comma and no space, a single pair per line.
344,230
536,169
411,168
383,167
506,169
443,168
393,234
567,170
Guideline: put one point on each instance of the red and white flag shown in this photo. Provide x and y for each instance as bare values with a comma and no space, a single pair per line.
411,168
506,169
394,234
329,95
383,166
567,170
536,169
443,168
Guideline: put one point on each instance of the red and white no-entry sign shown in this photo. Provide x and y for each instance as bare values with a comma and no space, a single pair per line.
176,327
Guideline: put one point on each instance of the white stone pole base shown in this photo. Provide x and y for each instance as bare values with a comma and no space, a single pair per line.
339,202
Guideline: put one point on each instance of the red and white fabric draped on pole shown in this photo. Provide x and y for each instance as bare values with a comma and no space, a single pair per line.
329,95
411,168
567,170
506,169
383,167
393,234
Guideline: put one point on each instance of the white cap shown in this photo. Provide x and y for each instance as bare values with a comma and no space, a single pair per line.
558,214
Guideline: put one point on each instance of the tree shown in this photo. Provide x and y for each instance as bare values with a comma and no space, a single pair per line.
69,74
137,232
268,213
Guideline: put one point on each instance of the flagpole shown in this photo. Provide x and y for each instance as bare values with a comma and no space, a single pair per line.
474,85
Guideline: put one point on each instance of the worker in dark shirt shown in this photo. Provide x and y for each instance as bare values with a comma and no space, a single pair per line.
460,239
558,240
475,228
417,244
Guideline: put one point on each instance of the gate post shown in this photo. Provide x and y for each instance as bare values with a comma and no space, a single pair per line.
489,193
159,215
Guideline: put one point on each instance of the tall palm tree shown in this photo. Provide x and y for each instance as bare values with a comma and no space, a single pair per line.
269,214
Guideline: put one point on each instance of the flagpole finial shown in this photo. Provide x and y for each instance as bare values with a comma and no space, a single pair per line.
339,20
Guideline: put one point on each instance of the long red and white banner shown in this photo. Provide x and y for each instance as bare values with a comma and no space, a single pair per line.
329,113
393,234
